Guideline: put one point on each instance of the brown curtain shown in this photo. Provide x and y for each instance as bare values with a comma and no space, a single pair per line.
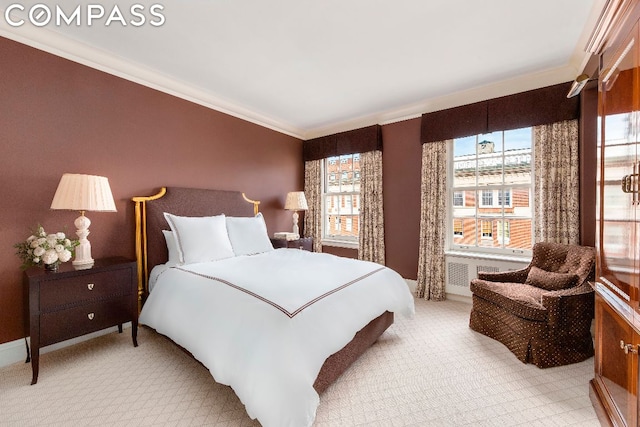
557,183
534,107
350,142
371,247
313,194
431,277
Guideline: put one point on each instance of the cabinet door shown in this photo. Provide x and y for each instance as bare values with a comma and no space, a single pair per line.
618,170
615,369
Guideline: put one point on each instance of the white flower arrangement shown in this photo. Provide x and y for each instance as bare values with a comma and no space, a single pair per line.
42,249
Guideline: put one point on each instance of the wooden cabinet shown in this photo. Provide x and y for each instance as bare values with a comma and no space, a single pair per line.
304,243
614,389
69,303
615,385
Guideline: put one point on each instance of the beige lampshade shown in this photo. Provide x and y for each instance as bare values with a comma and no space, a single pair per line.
79,192
296,201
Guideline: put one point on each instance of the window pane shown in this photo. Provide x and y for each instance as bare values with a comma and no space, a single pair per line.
486,233
464,231
519,234
490,143
520,202
332,175
464,172
517,168
464,204
464,146
490,159
504,198
518,139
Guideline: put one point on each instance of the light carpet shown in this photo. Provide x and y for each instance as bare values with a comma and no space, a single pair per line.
431,370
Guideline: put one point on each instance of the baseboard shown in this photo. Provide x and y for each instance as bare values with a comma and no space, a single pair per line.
16,351
459,298
12,352
413,285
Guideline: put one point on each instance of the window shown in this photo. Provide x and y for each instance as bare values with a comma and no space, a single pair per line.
503,230
494,198
487,198
458,198
487,229
341,198
491,192
457,228
504,198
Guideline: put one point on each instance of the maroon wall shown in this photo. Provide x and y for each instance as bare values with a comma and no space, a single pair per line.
57,116
402,163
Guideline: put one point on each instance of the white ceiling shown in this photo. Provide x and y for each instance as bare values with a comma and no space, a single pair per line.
311,68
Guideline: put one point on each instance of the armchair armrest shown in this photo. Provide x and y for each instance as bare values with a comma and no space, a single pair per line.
570,312
513,276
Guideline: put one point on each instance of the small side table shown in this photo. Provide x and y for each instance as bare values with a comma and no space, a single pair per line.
304,243
68,303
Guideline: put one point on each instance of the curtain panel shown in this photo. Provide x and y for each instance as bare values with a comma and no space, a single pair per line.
431,267
313,194
557,182
371,235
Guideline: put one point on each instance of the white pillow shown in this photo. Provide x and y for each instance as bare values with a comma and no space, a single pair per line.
172,247
200,239
248,235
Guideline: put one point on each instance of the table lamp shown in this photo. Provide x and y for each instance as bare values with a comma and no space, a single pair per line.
296,202
82,193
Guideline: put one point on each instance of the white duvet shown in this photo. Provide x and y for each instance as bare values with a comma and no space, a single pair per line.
265,324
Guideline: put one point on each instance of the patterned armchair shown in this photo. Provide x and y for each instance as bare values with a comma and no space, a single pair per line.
543,312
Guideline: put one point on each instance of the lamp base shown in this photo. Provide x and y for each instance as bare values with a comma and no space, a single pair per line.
83,250
296,229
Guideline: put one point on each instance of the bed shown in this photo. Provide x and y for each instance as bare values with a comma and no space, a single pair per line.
263,321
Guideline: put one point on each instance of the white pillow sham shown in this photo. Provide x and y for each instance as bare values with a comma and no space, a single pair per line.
248,235
200,239
172,247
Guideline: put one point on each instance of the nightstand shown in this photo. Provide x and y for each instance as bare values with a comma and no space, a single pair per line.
304,243
69,303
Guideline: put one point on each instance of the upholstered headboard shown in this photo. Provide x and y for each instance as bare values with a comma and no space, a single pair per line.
151,248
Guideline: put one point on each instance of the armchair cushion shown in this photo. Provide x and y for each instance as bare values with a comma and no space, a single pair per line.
518,298
511,276
549,280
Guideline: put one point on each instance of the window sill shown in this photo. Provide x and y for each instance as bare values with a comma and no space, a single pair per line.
340,244
490,256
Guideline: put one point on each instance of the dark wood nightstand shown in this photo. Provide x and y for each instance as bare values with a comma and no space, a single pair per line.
304,243
69,303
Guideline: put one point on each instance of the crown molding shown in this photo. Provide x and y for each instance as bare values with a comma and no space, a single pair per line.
482,93
56,44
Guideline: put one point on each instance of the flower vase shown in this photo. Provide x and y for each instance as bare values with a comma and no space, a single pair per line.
51,267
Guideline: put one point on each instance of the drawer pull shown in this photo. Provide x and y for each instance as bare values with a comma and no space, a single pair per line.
90,286
91,316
